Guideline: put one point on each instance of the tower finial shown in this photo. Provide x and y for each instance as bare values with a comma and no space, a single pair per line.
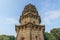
30,8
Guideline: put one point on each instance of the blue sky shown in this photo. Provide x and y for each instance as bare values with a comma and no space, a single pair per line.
10,11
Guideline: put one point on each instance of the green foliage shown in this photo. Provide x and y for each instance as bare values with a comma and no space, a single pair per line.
4,37
56,33
53,35
49,36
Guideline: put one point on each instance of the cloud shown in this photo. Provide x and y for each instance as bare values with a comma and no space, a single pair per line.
51,15
11,21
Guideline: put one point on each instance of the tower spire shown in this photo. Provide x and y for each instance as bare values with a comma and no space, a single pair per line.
30,13
30,8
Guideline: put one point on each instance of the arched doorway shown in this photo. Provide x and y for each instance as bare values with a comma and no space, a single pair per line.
22,38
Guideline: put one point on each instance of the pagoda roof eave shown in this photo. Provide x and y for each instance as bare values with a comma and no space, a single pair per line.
30,24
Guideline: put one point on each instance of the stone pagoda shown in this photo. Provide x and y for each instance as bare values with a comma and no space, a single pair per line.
30,27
